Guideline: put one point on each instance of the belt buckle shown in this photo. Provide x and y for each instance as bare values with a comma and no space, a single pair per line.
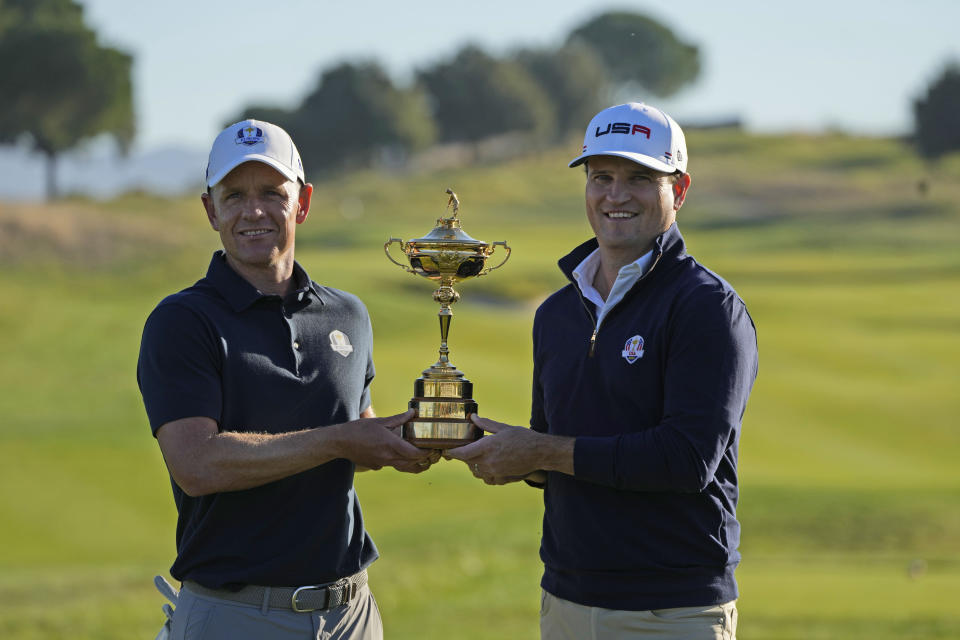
349,590
296,607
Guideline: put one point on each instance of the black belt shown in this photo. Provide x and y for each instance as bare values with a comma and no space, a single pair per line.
300,599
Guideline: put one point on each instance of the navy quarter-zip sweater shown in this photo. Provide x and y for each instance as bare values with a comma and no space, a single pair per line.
648,520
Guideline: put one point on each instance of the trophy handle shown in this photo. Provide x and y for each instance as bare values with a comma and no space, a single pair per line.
386,250
503,243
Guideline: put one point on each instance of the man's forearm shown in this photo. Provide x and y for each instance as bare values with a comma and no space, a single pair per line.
555,453
232,461
203,460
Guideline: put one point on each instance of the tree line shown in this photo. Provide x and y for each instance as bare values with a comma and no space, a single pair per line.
59,87
356,114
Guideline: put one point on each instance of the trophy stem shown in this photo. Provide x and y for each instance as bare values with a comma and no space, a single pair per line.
445,315
446,296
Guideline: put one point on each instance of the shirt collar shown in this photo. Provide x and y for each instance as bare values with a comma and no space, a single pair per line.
240,294
586,271
302,282
627,276
669,244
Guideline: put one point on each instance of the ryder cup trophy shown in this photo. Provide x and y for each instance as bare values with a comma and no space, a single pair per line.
443,398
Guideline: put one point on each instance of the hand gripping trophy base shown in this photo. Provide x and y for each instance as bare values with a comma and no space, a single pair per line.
443,398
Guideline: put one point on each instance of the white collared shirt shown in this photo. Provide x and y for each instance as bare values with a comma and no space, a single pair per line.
628,276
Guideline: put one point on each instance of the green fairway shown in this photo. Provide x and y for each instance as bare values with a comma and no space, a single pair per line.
850,491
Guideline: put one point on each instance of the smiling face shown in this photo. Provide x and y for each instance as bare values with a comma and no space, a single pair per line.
256,211
629,205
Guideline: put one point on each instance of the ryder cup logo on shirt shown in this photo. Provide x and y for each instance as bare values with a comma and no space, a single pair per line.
340,343
249,135
633,350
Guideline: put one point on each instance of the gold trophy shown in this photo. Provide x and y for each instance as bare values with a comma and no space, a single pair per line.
443,398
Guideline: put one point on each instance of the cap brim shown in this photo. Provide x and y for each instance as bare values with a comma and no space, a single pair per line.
646,161
254,157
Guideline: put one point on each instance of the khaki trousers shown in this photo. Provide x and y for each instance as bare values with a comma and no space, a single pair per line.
564,620
200,617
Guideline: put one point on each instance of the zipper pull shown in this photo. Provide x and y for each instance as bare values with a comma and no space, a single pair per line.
593,343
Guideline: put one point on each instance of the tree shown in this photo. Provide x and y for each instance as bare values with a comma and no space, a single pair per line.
59,86
638,49
573,77
354,115
475,96
937,125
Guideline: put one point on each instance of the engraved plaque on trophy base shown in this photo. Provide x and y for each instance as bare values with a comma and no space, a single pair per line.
444,407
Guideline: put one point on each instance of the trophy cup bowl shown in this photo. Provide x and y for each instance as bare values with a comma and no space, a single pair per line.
442,396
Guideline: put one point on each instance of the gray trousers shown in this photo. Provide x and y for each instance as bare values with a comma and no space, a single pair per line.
564,620
201,617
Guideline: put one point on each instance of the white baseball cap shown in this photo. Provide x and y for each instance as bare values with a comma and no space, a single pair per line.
257,141
638,132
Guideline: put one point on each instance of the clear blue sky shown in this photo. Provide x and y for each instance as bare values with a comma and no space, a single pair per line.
855,64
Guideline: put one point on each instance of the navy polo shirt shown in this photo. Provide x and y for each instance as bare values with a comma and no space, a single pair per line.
265,363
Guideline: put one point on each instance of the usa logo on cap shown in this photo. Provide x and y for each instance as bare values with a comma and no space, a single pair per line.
249,135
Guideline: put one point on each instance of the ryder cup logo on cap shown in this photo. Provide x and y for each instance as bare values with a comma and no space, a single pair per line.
637,132
249,135
253,141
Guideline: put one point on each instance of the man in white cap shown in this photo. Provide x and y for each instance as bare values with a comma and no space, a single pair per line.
642,369
256,382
